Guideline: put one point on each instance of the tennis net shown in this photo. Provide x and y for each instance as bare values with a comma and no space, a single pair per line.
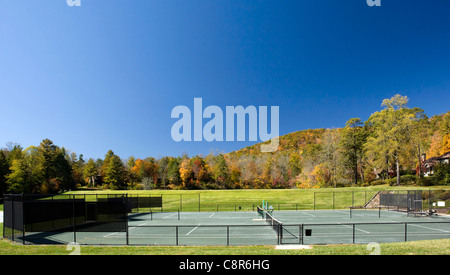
276,225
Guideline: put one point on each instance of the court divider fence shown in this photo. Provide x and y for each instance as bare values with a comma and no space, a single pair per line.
418,200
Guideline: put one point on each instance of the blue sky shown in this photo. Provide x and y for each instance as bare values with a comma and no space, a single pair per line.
107,74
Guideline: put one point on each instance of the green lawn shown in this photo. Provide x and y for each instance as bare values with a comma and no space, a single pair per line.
285,199
432,247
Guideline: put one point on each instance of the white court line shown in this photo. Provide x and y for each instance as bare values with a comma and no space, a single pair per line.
429,228
348,226
192,230
165,217
308,214
212,215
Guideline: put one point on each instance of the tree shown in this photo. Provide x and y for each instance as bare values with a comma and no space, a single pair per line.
17,181
115,173
173,172
90,172
163,165
186,172
56,170
220,170
419,133
444,130
331,152
391,128
200,172
63,176
4,171
47,153
352,142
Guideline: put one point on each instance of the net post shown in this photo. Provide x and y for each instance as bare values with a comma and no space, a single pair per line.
228,235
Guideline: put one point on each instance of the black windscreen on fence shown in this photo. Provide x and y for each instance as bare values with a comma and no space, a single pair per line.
105,215
12,217
25,214
410,200
144,202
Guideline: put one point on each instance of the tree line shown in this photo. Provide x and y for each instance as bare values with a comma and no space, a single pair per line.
387,148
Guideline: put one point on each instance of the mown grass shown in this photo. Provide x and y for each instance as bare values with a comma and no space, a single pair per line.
285,199
429,247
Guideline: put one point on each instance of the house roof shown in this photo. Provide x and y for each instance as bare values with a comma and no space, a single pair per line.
434,160
445,156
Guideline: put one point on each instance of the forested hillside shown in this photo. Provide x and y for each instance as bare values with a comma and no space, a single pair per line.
387,148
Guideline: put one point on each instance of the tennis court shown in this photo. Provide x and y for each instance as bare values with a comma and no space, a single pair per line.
252,228
358,226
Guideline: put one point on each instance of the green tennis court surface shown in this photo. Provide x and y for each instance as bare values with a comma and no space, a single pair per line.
250,228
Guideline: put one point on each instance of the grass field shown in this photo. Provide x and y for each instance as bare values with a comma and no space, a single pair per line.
286,199
431,247
222,199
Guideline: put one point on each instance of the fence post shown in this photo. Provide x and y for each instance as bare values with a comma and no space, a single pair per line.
23,221
314,200
301,233
406,232
353,233
74,220
126,218
333,200
430,207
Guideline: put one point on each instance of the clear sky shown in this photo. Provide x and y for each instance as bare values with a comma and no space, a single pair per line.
106,75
